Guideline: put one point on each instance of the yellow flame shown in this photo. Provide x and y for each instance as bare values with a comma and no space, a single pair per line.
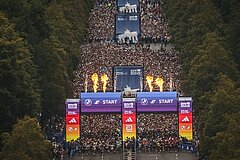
159,82
104,79
95,82
149,82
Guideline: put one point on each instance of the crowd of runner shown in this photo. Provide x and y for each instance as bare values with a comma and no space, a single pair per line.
154,24
102,20
101,133
102,53
101,57
157,132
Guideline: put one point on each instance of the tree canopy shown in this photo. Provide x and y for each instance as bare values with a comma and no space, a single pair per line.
25,142
206,33
40,42
19,90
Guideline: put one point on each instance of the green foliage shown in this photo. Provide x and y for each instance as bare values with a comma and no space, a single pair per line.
230,12
25,142
228,142
215,118
53,32
19,90
54,77
207,35
211,60
28,17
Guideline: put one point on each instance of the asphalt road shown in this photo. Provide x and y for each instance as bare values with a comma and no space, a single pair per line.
160,156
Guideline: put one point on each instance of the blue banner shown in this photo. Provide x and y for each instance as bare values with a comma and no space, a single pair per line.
157,101
188,147
128,77
100,102
127,28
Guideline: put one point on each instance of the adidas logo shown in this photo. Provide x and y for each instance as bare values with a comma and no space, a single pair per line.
185,119
73,120
129,119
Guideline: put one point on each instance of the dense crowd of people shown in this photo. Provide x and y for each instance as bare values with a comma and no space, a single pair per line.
101,57
154,25
102,53
101,133
102,20
157,132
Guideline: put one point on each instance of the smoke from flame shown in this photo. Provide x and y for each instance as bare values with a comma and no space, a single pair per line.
104,79
95,82
149,82
159,82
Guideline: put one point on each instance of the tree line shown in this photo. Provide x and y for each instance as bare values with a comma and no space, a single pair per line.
207,35
39,49
39,41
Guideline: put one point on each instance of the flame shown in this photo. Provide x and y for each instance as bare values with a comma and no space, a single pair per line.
159,82
104,79
95,82
149,82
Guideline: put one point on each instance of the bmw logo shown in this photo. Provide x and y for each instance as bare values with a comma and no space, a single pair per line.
88,102
144,101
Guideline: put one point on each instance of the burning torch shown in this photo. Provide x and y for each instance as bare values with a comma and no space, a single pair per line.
95,82
149,82
104,79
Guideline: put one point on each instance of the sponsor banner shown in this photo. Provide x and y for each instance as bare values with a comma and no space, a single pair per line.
128,6
129,131
129,118
127,28
72,119
70,113
185,127
72,106
185,117
157,101
128,78
100,102
72,132
129,126
185,105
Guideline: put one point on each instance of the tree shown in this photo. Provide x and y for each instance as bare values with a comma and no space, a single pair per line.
25,142
212,59
19,90
28,15
55,83
230,12
228,141
223,103
206,33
